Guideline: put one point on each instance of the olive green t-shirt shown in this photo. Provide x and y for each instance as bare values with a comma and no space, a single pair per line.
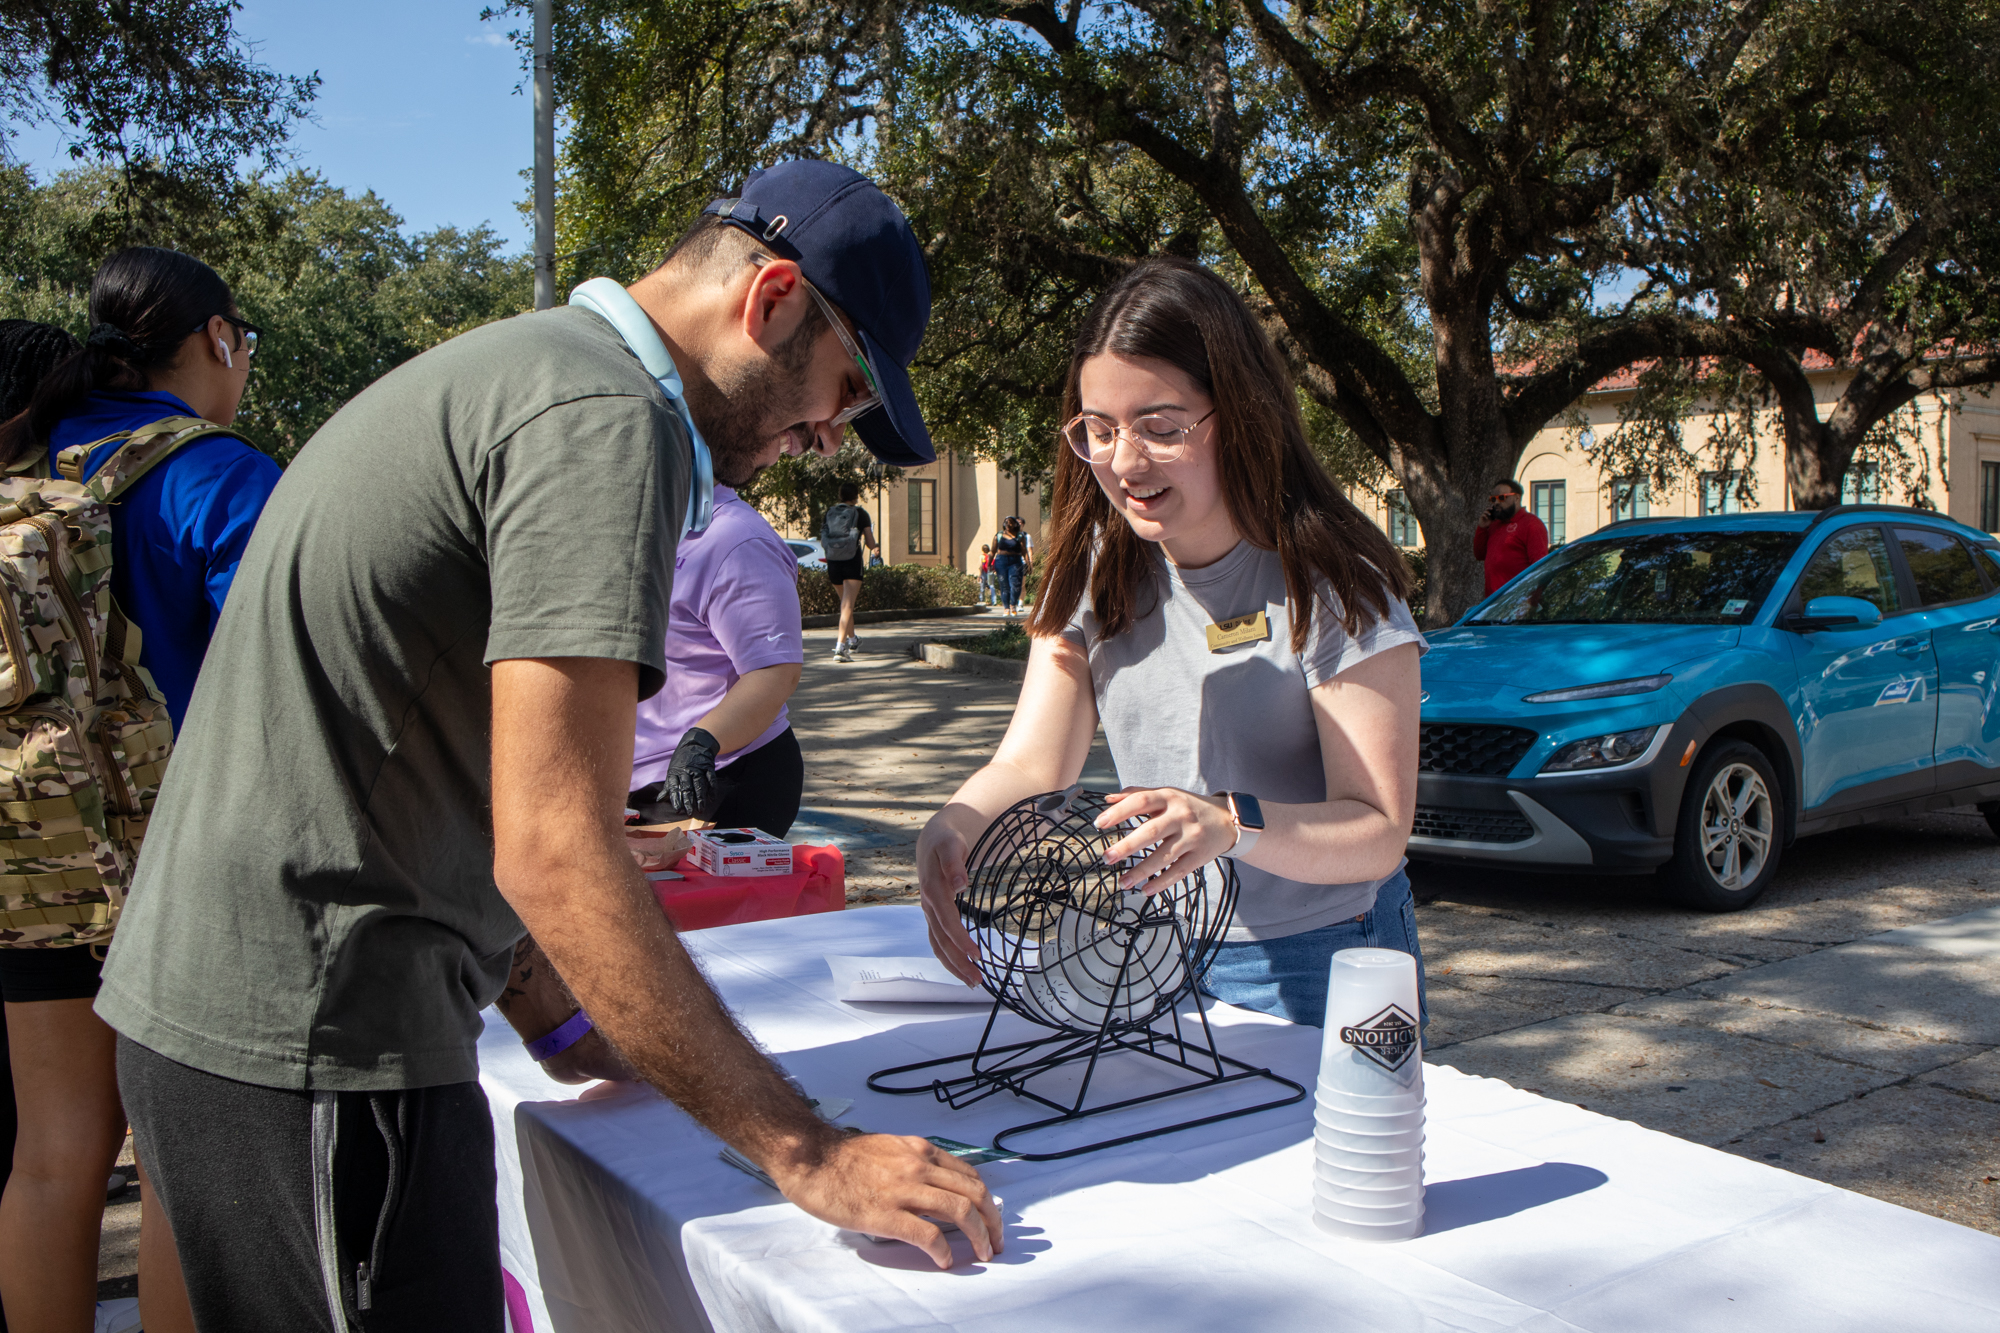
315,905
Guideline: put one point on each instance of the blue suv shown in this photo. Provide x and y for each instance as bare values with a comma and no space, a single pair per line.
1689,695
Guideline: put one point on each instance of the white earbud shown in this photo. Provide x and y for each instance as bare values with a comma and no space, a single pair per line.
223,347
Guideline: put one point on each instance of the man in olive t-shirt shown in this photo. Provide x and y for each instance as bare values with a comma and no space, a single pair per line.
411,739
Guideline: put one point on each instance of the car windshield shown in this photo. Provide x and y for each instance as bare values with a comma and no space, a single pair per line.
1707,577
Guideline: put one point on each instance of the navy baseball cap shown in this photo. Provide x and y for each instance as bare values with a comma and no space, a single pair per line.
853,243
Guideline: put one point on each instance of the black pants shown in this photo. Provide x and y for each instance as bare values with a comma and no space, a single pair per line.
758,790
321,1210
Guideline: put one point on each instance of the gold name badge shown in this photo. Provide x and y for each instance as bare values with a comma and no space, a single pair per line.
1243,629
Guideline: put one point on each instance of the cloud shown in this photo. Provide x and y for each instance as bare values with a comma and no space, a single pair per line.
487,39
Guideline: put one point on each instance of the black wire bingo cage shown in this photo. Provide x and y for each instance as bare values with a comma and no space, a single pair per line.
1104,970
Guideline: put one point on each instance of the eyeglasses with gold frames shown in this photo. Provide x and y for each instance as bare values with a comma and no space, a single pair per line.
1158,437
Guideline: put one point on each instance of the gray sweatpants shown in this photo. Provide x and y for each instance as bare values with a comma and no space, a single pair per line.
321,1210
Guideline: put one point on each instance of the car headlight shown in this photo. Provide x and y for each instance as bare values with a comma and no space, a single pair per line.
1620,747
1610,689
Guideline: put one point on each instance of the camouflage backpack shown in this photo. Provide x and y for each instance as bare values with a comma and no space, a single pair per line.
84,735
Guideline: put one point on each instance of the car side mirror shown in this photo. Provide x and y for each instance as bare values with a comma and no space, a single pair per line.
1835,613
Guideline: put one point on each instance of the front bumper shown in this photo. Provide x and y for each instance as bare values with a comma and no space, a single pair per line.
1617,821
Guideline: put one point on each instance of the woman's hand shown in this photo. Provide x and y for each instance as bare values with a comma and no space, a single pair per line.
940,879
1189,830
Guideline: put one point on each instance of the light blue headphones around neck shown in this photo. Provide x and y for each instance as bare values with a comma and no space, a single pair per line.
604,297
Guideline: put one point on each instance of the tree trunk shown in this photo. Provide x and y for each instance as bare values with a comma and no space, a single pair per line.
1455,577
1814,463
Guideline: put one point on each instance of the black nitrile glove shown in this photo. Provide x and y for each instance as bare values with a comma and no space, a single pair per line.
690,781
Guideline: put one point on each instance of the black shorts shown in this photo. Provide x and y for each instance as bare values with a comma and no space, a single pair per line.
69,973
760,789
844,571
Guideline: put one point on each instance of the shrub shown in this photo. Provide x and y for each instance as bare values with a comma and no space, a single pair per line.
1010,642
1416,557
891,588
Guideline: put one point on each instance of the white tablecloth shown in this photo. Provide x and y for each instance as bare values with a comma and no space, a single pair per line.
617,1215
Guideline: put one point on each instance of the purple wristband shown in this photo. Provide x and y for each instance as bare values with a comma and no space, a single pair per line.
564,1037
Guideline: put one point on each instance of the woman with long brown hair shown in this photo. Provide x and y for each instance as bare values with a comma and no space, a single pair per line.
1237,627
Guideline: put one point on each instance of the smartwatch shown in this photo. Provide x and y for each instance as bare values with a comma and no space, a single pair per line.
1248,816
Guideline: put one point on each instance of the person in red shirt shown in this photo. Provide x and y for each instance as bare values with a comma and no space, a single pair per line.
1508,538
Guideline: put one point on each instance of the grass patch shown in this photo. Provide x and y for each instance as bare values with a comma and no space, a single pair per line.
1010,642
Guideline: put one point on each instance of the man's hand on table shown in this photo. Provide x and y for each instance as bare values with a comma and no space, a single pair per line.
885,1185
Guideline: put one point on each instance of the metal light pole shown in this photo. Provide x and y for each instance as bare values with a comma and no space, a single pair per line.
545,159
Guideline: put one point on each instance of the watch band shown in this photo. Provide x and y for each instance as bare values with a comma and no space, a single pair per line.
1248,816
564,1037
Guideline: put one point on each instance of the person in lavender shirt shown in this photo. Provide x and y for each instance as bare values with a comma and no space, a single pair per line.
715,742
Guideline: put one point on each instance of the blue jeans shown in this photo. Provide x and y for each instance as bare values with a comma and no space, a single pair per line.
1287,976
1009,570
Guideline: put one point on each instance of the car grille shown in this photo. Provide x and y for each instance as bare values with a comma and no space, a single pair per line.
1461,825
1480,751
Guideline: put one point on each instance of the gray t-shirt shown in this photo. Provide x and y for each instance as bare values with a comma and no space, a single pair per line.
315,905
1178,715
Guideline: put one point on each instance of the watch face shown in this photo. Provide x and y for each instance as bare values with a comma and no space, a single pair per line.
1248,813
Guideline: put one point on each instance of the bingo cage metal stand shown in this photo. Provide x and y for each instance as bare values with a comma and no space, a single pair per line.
1105,970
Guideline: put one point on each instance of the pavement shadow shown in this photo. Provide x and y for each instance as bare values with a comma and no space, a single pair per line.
1451,1204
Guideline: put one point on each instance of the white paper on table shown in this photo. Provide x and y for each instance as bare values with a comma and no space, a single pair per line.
899,981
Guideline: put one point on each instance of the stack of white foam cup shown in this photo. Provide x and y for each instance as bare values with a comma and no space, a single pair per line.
1368,1121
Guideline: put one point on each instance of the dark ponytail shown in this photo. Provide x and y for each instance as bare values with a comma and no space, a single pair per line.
28,352
144,302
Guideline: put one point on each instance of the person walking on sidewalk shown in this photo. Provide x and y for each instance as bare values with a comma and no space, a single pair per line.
1010,563
715,742
842,533
1508,538
988,596
406,764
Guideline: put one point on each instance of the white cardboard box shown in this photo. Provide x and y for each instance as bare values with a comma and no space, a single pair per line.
740,851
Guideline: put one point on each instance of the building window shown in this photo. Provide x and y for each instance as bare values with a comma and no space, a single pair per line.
1862,485
1549,504
1989,497
1402,523
923,517
1722,492
1631,497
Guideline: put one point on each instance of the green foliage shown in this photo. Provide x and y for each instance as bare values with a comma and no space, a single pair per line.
796,491
1436,206
1418,559
891,588
165,84
343,295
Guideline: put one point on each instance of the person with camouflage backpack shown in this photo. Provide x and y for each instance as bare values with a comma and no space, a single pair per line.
103,625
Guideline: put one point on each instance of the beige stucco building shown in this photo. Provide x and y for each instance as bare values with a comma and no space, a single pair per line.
941,513
1954,460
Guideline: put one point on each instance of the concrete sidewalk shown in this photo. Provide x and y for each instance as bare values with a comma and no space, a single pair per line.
887,740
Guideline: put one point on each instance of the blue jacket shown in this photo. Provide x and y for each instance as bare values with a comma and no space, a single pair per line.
175,536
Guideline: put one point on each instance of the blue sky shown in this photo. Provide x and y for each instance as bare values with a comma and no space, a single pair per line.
417,102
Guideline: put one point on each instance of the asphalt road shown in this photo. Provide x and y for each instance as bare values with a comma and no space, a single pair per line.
1799,1032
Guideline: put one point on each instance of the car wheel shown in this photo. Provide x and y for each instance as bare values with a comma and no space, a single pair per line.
1992,812
1731,830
